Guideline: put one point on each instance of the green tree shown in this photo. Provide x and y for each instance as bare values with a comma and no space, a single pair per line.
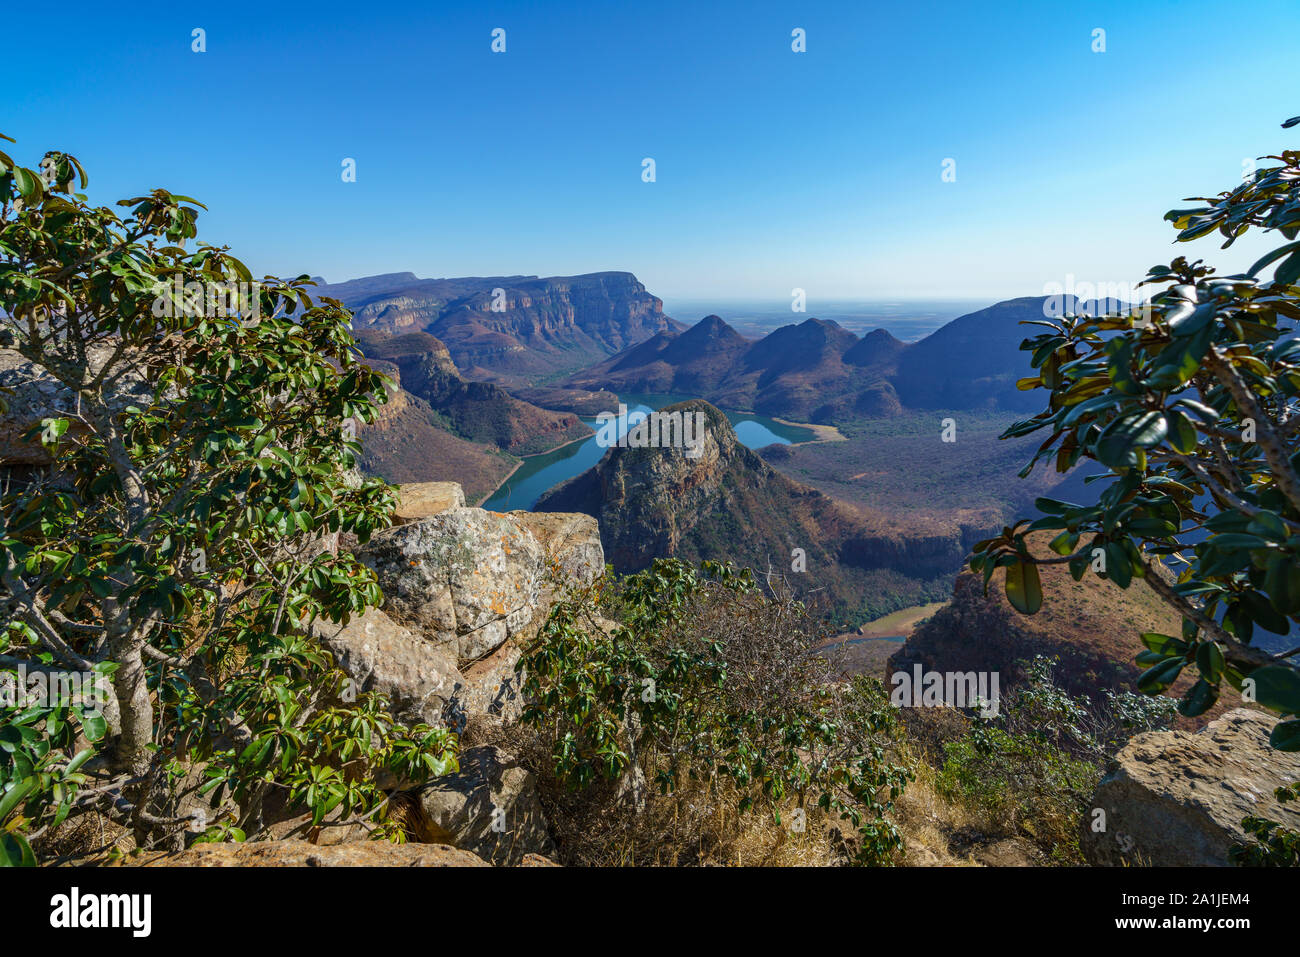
1190,406
183,538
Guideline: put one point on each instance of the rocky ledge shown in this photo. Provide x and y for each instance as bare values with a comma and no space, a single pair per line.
1173,798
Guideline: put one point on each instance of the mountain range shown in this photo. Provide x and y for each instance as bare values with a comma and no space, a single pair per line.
514,330
817,371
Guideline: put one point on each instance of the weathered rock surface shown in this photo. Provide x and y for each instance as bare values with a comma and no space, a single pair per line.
468,580
1176,798
421,499
420,678
293,853
489,807
571,541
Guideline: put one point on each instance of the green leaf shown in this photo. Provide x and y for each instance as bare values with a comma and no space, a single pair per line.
95,725
15,851
14,796
1199,699
1164,644
1277,687
1209,659
25,181
1023,588
1182,434
1285,736
1282,583
1116,445
1159,677
1289,271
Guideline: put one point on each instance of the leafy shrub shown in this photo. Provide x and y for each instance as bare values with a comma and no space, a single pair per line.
1192,406
1272,844
1031,768
700,703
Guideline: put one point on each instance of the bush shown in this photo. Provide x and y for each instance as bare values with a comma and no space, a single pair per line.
700,703
1031,768
1191,405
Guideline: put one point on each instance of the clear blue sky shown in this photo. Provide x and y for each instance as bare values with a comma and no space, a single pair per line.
775,169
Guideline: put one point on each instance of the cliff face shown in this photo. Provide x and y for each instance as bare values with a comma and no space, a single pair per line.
727,504
532,329
477,411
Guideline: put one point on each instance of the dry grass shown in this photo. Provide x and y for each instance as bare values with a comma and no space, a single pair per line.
88,839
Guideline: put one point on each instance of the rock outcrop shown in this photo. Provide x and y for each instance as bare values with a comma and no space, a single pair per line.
419,677
419,500
463,587
465,578
1175,798
490,806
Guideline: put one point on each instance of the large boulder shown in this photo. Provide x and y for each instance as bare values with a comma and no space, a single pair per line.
572,543
465,578
490,806
419,500
468,579
1176,798
419,677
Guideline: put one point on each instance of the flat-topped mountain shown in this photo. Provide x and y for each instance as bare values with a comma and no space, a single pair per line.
818,371
515,330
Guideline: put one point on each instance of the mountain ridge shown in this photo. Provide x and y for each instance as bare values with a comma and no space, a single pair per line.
512,330
817,371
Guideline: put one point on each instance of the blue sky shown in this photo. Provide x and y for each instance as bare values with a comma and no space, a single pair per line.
819,170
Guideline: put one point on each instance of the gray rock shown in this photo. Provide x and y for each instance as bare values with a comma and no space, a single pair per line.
469,579
574,555
378,654
465,578
1176,798
489,807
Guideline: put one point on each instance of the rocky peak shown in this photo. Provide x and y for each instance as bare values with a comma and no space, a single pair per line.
876,348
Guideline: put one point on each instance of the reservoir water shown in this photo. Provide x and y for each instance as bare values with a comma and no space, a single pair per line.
538,474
